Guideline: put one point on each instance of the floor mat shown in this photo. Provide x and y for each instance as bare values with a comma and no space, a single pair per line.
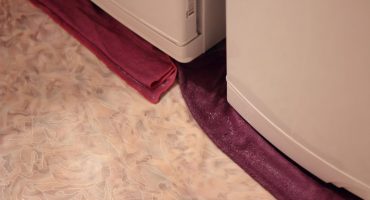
140,64
203,85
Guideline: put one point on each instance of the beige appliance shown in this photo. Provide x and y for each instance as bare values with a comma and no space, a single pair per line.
299,72
183,29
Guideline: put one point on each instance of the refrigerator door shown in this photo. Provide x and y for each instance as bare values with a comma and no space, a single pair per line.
299,72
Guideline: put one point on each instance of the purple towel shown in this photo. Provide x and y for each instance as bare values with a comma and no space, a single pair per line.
203,85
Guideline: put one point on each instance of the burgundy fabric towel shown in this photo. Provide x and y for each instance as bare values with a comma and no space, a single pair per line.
141,65
203,86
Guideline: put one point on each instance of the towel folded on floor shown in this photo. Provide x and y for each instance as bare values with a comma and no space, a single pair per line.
147,69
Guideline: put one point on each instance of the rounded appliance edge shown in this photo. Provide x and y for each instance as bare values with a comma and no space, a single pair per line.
185,53
293,149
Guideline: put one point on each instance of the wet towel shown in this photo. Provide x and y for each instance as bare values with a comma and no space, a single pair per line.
147,69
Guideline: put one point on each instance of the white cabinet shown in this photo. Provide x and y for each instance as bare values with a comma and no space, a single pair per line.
183,29
299,72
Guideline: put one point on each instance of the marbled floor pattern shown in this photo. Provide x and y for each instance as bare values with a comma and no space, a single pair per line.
71,129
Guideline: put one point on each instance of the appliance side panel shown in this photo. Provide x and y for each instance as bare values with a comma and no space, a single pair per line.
176,20
214,21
